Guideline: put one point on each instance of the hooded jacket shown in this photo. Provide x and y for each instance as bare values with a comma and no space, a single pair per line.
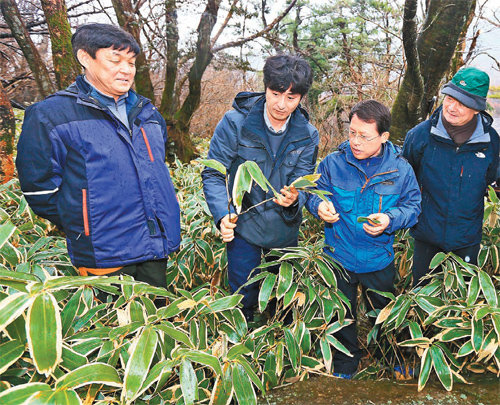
453,180
392,190
106,187
240,136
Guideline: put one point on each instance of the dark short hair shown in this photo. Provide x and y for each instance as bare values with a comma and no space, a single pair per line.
283,71
373,111
92,37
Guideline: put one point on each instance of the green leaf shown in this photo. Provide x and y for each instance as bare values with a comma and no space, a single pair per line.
6,231
69,311
94,373
20,393
337,345
65,397
13,306
9,353
175,333
366,219
45,333
266,290
454,334
189,382
466,349
425,369
290,295
251,373
293,348
257,175
237,350
477,334
488,288
326,351
242,185
142,352
415,330
242,386
437,260
308,180
214,164
326,273
222,304
442,368
71,360
222,392
205,359
285,279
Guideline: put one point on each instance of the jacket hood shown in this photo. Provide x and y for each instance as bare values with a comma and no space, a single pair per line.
245,100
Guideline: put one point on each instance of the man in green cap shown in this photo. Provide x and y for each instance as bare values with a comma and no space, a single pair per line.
455,158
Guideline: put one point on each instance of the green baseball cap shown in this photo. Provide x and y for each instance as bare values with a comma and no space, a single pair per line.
469,86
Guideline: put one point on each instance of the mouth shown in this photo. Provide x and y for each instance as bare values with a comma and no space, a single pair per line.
123,80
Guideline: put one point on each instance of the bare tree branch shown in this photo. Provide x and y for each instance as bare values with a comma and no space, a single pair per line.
262,32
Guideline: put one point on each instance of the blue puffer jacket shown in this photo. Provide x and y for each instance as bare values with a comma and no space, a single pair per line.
107,188
241,136
392,190
453,180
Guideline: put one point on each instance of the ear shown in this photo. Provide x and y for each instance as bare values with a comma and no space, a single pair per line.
83,57
385,136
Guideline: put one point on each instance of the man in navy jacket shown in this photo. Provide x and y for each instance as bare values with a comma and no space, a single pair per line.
367,177
273,130
455,158
91,159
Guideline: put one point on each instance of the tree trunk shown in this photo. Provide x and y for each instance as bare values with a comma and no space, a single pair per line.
182,118
125,13
406,107
66,68
458,59
12,17
437,42
168,101
7,134
435,46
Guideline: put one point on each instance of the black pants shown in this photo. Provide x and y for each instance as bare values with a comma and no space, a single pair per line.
424,252
153,272
382,280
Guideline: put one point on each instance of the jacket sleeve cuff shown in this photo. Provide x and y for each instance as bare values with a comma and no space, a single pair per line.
312,205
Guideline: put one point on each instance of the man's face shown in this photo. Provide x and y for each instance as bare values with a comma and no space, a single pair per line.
456,113
364,139
111,72
279,105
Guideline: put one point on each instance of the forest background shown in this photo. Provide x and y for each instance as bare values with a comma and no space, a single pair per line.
199,348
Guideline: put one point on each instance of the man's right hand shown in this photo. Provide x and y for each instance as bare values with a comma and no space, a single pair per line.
227,225
327,212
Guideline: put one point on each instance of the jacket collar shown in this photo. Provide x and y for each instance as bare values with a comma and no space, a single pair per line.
388,167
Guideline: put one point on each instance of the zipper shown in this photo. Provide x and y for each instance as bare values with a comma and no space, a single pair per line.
146,141
85,212
375,175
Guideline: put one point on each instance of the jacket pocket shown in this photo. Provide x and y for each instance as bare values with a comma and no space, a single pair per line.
148,147
85,212
343,200
385,197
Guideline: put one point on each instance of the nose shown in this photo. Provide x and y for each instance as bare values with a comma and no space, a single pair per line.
125,68
281,102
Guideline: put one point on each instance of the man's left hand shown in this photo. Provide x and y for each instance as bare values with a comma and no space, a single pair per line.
288,196
376,229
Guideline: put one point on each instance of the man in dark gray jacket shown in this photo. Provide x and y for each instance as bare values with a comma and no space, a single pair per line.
273,130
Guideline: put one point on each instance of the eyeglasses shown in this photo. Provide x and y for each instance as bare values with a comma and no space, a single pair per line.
362,138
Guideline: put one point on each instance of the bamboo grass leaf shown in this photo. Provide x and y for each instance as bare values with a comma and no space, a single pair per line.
95,373
44,333
214,164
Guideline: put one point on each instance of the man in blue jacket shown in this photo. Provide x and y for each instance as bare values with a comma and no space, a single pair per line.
273,130
91,159
455,158
367,178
